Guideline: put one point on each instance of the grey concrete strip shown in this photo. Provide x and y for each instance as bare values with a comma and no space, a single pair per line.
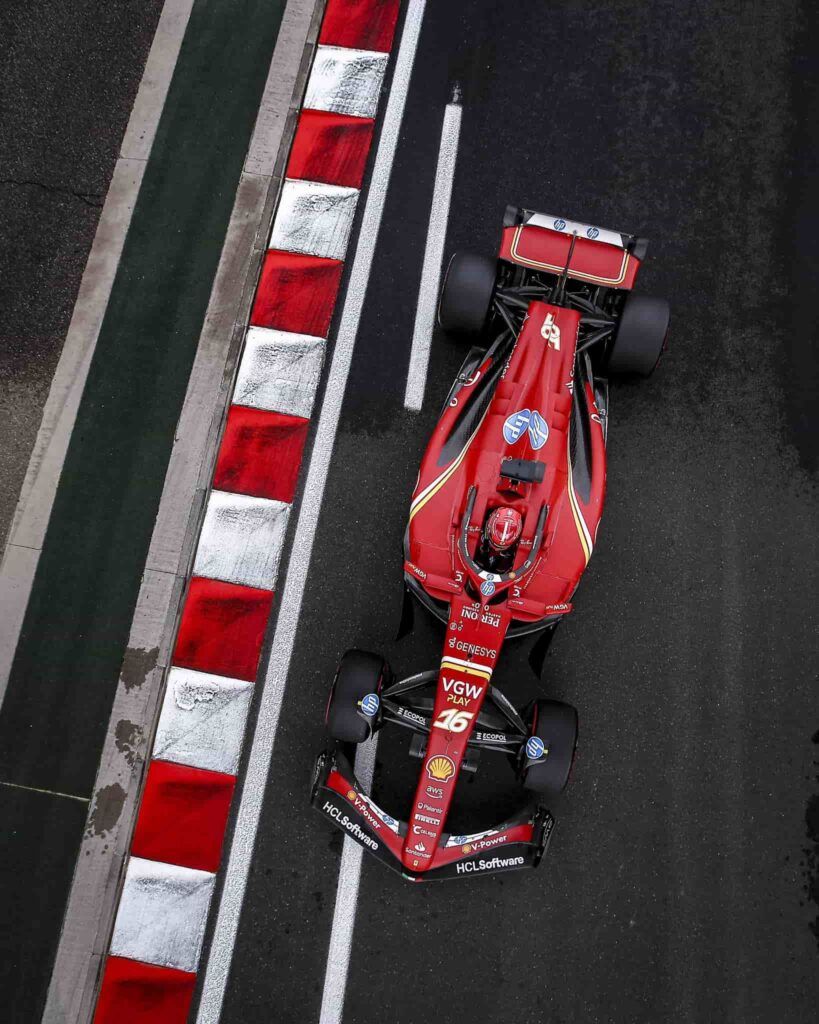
97,876
33,511
100,865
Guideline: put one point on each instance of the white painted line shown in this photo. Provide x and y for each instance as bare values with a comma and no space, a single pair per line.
314,218
433,258
264,736
162,914
241,539
279,371
47,792
346,81
36,500
349,877
203,720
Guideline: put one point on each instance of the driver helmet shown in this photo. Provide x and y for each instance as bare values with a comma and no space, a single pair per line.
503,528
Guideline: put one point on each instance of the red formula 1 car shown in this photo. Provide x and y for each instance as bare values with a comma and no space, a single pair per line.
502,524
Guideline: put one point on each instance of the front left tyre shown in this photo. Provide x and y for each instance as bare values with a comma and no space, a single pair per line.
354,707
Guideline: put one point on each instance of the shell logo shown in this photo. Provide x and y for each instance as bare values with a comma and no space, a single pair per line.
467,848
351,794
441,768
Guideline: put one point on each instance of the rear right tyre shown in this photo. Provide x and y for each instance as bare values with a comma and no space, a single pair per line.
641,336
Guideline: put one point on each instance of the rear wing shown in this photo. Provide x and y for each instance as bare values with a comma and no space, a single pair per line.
543,242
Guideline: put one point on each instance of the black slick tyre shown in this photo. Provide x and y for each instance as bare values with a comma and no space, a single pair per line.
549,752
353,710
467,292
640,337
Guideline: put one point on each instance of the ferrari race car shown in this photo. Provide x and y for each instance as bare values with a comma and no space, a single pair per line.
502,524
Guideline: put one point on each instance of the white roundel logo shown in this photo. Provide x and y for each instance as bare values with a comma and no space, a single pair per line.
370,704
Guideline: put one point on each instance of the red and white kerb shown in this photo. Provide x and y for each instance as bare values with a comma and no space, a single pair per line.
176,849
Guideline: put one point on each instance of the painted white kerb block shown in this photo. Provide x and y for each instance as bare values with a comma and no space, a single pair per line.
162,914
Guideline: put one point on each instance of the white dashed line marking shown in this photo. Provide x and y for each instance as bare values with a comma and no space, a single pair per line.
433,257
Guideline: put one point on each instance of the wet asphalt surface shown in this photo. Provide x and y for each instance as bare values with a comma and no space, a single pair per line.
681,883
68,76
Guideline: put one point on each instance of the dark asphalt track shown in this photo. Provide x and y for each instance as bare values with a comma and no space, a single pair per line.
69,72
68,76
681,884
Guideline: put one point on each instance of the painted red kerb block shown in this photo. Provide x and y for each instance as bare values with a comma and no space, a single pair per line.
260,453
296,293
183,816
331,148
222,628
133,993
364,24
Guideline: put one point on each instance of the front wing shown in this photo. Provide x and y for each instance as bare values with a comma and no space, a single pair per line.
516,844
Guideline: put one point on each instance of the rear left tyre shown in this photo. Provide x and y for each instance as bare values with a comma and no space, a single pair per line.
469,284
354,707
549,751
641,336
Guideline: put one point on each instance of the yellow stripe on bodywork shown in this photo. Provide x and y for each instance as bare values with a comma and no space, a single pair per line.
469,668
579,521
429,492
432,489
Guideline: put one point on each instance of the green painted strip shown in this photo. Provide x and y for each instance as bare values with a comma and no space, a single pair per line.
76,627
